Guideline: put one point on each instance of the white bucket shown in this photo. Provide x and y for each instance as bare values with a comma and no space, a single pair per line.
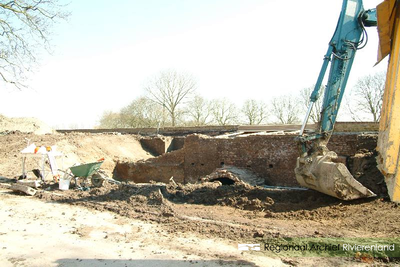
63,184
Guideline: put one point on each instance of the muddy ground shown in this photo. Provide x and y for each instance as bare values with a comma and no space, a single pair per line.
241,212
237,213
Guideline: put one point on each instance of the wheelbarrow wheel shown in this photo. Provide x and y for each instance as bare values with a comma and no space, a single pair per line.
78,182
97,180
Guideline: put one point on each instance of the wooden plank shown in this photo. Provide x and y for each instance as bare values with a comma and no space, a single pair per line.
30,183
23,188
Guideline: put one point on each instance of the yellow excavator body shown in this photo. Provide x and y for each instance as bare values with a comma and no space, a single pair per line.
388,14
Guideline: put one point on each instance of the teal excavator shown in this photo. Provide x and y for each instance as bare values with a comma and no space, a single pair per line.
316,167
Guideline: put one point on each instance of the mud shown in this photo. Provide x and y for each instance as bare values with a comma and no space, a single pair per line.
238,212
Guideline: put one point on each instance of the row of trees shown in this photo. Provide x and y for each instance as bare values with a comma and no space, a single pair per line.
144,112
170,97
171,100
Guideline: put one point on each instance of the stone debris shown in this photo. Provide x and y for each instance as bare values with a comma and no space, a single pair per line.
23,188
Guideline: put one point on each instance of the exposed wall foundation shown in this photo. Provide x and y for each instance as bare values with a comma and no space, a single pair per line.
271,158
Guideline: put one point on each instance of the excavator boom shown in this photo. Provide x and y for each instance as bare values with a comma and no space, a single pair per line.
316,167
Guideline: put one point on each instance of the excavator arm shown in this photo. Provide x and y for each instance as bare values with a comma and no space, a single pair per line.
316,167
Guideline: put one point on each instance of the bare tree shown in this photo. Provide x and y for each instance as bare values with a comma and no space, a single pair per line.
199,111
224,112
24,30
169,89
110,120
142,112
254,111
305,94
367,96
286,109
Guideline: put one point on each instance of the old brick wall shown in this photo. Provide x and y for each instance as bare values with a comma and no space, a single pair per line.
272,157
159,145
155,145
177,143
159,169
356,127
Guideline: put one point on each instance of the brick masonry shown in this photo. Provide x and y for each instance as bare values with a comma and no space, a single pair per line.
272,157
156,145
218,130
159,169
356,126
159,145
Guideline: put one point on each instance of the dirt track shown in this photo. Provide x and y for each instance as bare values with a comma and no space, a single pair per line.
40,233
236,213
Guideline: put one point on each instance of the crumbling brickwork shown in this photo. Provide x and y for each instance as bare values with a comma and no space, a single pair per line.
272,157
159,169
356,127
267,155
159,145
155,145
177,143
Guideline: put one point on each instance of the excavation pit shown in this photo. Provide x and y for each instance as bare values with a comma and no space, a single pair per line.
253,159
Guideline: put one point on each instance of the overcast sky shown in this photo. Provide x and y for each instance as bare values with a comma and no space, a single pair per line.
239,49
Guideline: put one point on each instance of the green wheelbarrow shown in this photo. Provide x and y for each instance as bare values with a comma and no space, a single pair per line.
81,173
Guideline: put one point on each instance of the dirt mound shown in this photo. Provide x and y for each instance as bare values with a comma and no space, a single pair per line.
76,147
246,197
24,125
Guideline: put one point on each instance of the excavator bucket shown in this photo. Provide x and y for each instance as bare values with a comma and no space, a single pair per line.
316,167
320,173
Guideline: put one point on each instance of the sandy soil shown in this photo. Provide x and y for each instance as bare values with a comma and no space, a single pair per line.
38,233
25,125
210,214
76,147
